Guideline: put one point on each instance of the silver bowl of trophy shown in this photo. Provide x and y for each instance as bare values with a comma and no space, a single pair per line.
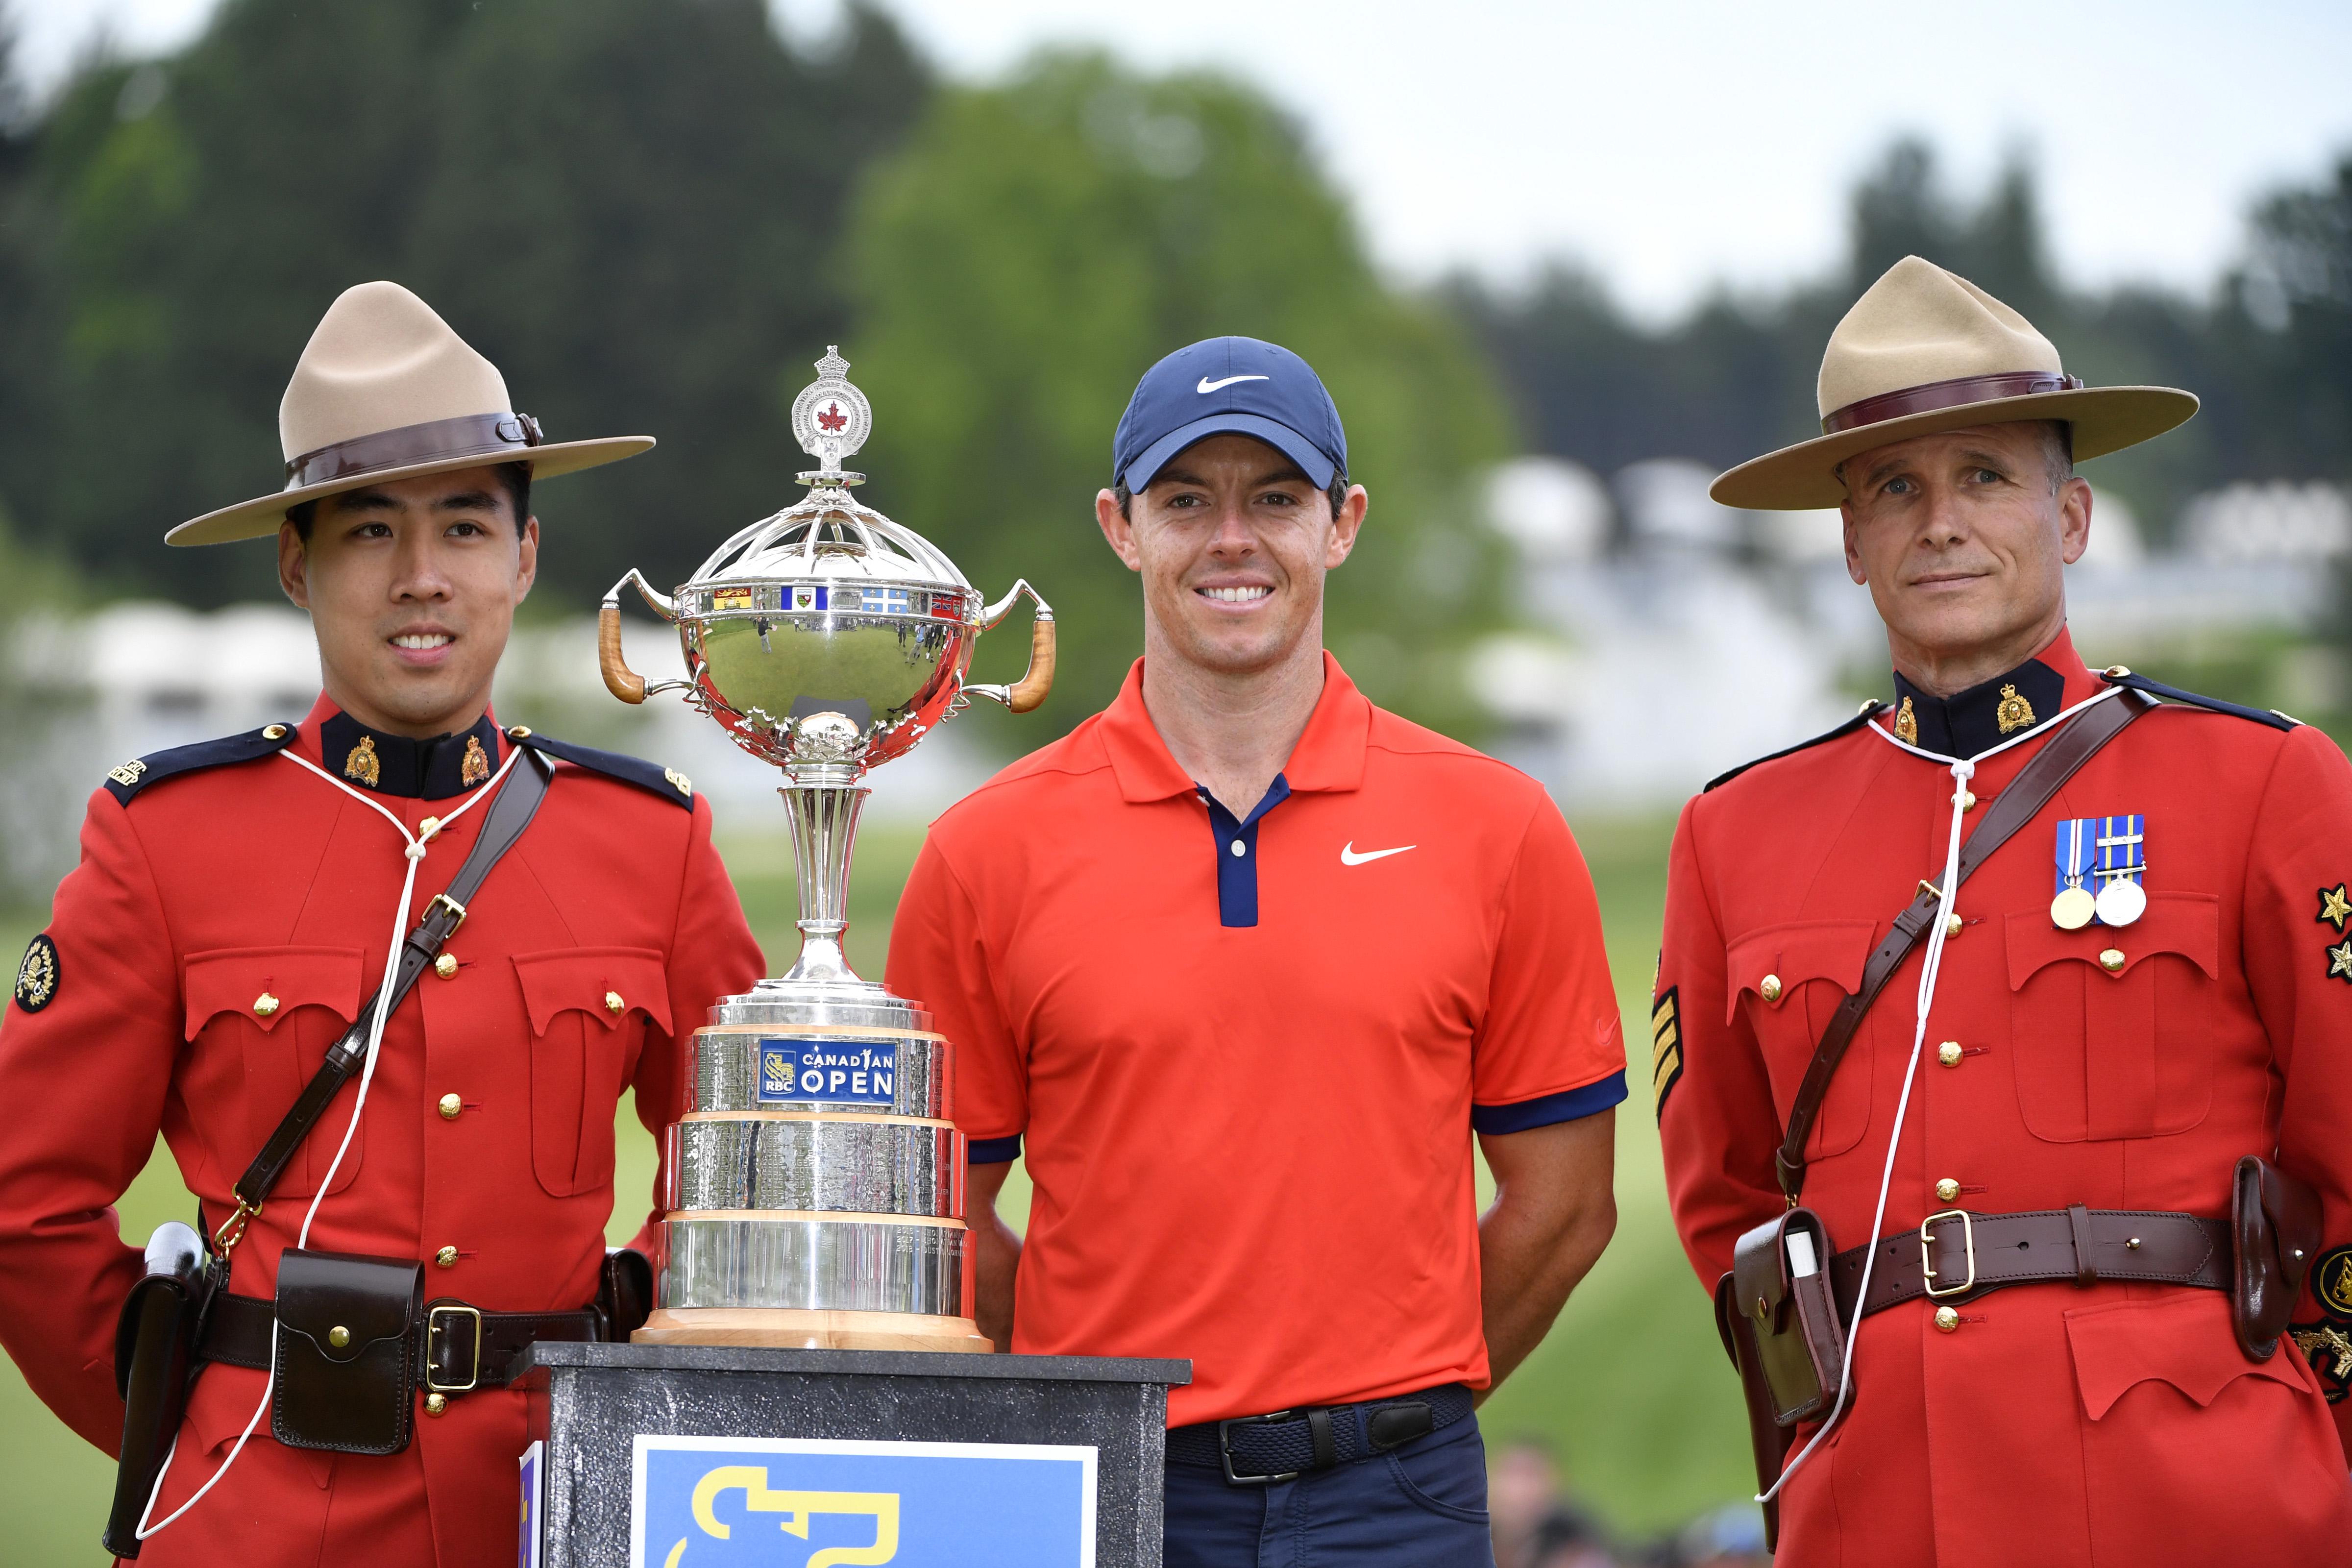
815,1181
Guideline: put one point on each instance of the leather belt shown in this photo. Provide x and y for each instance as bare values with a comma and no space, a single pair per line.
1957,1256
460,1348
1259,1450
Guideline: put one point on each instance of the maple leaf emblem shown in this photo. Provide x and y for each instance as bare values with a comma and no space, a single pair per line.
832,420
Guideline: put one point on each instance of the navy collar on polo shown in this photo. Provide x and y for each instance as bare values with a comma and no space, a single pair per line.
1328,757
397,766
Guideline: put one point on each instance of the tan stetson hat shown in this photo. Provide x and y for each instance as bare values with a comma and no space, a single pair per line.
1924,351
385,390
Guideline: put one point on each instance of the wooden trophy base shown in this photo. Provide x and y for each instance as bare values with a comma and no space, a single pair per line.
795,1327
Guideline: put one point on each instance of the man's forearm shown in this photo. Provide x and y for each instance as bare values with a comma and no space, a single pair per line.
996,1253
1554,1210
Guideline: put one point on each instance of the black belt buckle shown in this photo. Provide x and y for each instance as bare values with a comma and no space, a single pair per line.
1225,1447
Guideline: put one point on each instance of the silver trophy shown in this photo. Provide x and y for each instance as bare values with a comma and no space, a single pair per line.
815,1187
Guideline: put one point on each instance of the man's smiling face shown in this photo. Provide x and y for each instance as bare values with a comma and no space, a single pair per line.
1233,543
1963,540
412,587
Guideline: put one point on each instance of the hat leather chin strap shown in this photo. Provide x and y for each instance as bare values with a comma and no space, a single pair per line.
494,436
1951,394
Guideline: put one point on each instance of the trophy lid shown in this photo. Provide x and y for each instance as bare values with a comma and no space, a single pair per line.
827,536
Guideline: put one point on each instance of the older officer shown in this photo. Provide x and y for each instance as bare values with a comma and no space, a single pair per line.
236,901
2147,980
1248,962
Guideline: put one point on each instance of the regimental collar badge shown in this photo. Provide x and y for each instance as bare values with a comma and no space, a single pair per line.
412,769
362,765
475,767
1906,724
37,976
2015,712
2102,863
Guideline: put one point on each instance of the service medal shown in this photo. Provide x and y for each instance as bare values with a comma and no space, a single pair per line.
2072,908
2120,841
2120,902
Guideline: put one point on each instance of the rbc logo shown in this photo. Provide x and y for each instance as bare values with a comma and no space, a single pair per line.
840,1072
783,1502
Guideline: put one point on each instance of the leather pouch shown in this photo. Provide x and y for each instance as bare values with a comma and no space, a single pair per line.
625,1292
2274,1222
346,1351
1790,1321
155,1367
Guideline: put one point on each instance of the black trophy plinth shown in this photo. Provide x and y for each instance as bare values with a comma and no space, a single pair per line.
625,1432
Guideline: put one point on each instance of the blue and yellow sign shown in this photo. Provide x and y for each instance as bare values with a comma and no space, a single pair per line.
793,1502
842,1072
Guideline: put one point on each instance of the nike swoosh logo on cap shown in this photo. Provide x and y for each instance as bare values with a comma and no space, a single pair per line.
1347,856
1208,386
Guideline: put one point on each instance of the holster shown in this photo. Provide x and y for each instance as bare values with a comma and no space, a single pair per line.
625,1292
346,1347
2274,1220
1782,1333
154,1366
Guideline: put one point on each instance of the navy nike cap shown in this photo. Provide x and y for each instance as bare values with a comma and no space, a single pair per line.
1229,386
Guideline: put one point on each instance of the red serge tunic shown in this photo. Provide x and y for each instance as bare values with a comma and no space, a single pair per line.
2054,1425
201,893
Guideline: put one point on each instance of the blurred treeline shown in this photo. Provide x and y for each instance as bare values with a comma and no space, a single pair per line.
654,215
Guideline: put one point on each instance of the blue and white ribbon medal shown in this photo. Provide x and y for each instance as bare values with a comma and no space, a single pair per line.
2075,906
2121,845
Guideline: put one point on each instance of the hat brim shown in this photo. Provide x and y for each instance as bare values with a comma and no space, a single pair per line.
261,517
1803,478
1314,462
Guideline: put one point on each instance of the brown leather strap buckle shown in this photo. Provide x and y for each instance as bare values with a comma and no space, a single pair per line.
1928,1252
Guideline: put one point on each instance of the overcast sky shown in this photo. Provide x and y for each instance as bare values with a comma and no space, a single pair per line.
1681,143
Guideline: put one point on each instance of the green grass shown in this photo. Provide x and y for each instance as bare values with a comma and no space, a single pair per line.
1630,1391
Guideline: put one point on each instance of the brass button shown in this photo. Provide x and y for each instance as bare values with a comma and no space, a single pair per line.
1947,1190
450,1106
2112,960
519,732
613,1003
446,1257
264,1005
1770,989
1948,1053
338,1336
2119,670
274,733
435,1402
1947,1319
446,966
1966,800
1951,927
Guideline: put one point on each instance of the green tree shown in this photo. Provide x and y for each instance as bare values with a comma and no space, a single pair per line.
1036,246
627,204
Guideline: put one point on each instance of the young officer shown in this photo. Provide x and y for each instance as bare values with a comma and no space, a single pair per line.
236,901
2069,1351
1247,961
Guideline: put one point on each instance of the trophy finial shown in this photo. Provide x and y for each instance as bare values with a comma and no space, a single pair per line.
831,419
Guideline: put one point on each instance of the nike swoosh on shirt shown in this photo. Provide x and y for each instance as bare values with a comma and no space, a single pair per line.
1208,386
1347,856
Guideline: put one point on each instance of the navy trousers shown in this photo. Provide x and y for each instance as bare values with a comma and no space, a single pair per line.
1420,1506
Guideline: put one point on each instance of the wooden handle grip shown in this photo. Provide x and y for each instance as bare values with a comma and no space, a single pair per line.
619,679
1032,688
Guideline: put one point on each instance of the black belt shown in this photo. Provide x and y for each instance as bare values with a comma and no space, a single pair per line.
1957,1254
1258,1450
459,1347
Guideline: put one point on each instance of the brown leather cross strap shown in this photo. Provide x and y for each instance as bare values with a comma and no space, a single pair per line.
1973,1253
2036,784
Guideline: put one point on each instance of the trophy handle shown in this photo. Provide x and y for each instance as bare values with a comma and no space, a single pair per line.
619,679
1029,690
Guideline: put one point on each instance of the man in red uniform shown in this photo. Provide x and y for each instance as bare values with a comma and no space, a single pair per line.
232,909
2147,980
1248,962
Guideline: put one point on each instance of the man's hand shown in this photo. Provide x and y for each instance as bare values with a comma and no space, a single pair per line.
1554,1210
996,1252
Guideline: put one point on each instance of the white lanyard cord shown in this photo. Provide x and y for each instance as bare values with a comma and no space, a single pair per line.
1930,967
415,850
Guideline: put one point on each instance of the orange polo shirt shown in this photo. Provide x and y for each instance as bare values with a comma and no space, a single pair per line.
1247,1055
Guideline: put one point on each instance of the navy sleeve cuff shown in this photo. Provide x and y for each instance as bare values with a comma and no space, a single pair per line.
999,1151
1522,1115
